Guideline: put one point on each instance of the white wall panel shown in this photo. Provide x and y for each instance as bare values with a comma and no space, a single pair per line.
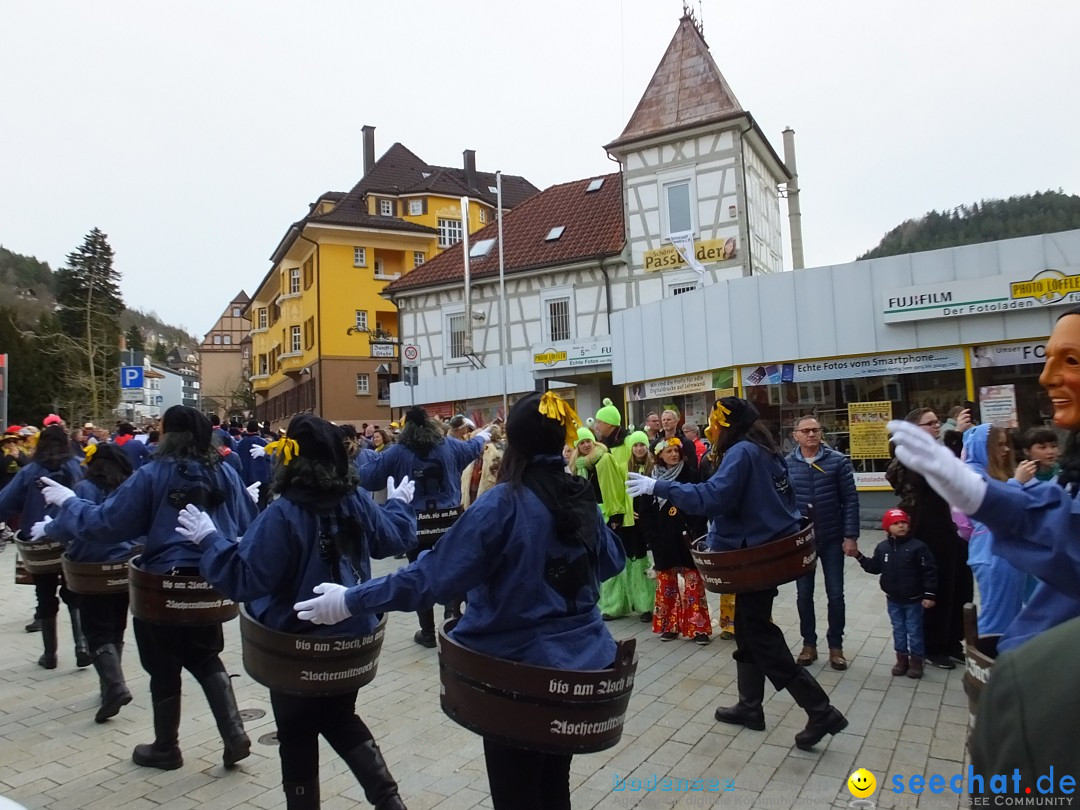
779,315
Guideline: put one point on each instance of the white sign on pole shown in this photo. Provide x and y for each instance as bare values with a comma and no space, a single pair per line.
131,395
410,354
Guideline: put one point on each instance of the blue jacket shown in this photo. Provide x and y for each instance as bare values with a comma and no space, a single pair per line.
278,561
253,469
750,496
827,484
137,452
80,550
233,461
437,476
504,554
141,507
23,498
1035,529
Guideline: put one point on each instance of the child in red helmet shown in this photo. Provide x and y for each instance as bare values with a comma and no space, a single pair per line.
909,579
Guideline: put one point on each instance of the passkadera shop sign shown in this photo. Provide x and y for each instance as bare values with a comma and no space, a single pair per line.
708,251
980,296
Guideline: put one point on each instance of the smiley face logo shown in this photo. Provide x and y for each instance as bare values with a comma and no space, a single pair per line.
862,784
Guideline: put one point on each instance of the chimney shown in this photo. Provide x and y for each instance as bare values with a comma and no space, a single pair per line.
369,147
794,211
470,168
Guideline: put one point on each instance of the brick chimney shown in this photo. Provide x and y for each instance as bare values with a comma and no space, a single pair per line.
470,168
369,147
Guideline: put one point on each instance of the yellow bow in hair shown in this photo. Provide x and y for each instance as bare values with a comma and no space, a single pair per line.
288,448
555,407
88,453
717,419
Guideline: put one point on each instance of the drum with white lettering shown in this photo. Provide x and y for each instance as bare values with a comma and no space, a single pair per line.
306,665
432,525
757,568
979,655
554,711
176,598
42,557
92,578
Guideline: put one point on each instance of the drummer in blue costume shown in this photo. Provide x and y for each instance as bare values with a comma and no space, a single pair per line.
530,553
321,528
751,501
184,469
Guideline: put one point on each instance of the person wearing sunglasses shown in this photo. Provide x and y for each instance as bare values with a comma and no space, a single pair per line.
931,522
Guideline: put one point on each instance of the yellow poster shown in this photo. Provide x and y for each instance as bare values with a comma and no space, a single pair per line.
869,437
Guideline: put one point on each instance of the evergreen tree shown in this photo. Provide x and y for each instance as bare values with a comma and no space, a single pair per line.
160,353
88,309
134,339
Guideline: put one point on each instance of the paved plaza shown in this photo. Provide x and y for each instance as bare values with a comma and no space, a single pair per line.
53,755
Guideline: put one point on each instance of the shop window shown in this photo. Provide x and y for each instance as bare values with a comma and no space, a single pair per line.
449,232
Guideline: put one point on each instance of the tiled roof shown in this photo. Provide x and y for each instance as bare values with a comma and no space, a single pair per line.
686,89
592,222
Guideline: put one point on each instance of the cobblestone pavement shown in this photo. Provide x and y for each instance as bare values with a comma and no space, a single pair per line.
53,755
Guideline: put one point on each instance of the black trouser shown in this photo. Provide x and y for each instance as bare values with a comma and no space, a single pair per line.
104,618
300,721
943,624
426,616
760,642
165,650
45,588
527,780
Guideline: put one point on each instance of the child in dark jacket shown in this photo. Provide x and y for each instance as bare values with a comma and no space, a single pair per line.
909,579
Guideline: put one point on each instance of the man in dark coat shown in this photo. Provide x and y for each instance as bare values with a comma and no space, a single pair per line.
823,479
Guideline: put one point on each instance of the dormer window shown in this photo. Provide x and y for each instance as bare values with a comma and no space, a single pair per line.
386,208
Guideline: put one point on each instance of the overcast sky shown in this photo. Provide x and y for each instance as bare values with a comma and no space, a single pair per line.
194,133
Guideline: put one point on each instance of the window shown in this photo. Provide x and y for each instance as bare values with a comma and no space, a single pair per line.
386,208
557,308
449,232
227,340
677,202
294,343
378,267
217,340
455,336
482,216
679,289
416,208
359,257
294,280
264,366
361,320
309,333
417,258
309,272
555,233
236,311
363,384
481,248
262,318
594,185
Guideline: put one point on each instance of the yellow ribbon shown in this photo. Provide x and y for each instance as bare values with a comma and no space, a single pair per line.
288,448
717,419
555,407
88,453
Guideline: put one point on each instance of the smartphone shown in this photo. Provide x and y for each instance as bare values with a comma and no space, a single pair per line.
756,376
787,373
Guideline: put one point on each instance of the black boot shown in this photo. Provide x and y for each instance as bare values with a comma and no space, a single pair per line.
301,795
82,649
114,692
164,752
35,625
425,636
48,639
824,718
219,694
367,764
747,712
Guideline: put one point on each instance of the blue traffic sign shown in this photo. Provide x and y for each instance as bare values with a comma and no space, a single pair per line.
131,377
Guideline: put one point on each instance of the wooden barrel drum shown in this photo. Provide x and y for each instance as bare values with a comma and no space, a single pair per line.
175,599
432,525
95,578
979,655
40,558
554,711
757,568
306,665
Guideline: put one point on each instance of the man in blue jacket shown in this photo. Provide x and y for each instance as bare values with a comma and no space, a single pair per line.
823,479
254,469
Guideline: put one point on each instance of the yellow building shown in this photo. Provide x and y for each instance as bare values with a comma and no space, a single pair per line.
323,339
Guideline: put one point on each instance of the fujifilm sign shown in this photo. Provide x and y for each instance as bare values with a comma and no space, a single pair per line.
980,296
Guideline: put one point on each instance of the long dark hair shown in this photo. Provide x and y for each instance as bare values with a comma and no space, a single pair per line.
304,474
53,448
180,444
108,467
757,434
512,468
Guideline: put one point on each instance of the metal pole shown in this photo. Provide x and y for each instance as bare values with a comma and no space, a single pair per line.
468,278
3,391
504,331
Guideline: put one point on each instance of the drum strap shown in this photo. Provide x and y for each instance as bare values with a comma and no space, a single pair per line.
330,551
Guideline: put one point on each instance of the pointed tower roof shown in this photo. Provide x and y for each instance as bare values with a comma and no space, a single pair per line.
686,89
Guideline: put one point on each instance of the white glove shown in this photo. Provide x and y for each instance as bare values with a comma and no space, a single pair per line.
403,491
951,478
485,433
194,524
39,529
329,608
637,484
257,451
253,491
55,494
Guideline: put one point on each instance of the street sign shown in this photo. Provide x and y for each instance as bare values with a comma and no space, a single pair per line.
382,349
131,377
410,354
409,375
131,395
